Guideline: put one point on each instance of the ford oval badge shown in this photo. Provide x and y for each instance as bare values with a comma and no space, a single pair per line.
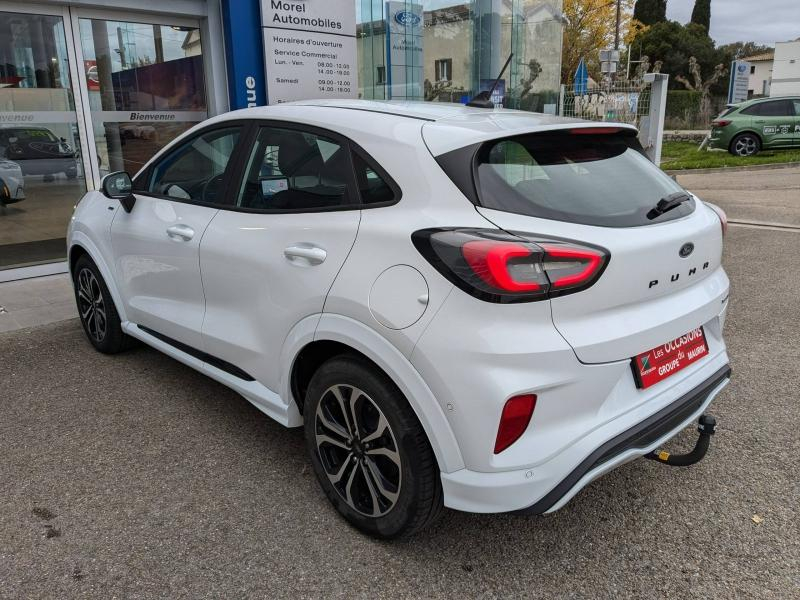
686,249
407,18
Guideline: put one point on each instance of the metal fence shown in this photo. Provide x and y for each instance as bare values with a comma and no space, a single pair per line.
620,101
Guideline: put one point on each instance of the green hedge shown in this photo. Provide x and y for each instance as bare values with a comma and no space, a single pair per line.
681,103
683,109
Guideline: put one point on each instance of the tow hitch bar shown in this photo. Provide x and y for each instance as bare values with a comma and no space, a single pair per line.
707,425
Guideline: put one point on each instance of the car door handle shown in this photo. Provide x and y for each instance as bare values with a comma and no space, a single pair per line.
180,232
305,254
759,121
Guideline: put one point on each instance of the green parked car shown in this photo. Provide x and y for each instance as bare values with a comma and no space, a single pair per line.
744,129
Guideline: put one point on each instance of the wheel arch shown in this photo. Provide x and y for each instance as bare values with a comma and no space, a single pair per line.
337,334
750,131
82,245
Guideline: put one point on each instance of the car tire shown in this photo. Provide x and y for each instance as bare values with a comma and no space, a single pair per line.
383,479
96,309
745,144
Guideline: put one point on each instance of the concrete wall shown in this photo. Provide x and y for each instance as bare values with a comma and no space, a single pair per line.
786,70
759,82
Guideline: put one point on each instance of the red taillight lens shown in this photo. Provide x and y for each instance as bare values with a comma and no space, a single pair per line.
505,265
514,421
723,218
721,123
497,266
569,266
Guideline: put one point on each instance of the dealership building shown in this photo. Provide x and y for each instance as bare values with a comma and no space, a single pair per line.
89,87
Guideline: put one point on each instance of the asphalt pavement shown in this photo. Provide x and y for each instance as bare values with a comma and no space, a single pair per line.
134,476
769,196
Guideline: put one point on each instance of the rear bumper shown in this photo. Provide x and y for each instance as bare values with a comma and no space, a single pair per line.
720,139
550,485
636,441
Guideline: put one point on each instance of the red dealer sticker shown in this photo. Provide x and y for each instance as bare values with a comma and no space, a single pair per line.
662,361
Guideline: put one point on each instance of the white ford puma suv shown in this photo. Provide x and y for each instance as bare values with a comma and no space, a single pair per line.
473,308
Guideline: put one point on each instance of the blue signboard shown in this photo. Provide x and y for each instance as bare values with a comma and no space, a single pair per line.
739,81
581,78
244,53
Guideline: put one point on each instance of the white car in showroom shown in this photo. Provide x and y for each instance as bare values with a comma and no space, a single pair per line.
12,183
483,309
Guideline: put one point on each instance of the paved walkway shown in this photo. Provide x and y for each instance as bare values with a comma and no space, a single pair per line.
36,301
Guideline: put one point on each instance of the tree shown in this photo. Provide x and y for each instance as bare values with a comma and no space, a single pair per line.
589,27
650,12
701,14
673,44
523,89
704,87
744,49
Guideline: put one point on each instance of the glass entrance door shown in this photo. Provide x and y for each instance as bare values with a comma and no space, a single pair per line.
145,86
41,174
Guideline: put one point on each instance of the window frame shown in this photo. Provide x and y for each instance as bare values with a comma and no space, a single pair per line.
142,179
248,146
447,63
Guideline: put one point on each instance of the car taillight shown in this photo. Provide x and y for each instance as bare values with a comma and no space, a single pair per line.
497,266
507,266
514,420
723,218
594,130
721,122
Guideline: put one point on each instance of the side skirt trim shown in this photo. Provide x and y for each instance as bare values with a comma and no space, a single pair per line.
200,355
260,396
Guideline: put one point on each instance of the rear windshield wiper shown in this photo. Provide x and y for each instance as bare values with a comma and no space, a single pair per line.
667,203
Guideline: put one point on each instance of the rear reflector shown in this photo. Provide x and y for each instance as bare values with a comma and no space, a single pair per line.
514,421
723,218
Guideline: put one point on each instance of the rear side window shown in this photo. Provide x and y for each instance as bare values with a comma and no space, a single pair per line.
776,108
374,188
593,179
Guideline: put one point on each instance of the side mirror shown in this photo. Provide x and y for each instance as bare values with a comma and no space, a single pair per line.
118,186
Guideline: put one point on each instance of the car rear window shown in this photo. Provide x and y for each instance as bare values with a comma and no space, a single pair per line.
589,178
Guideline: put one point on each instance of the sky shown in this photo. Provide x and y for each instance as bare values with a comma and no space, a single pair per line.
762,21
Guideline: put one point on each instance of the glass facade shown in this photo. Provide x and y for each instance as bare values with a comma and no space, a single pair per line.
142,85
145,85
443,50
40,168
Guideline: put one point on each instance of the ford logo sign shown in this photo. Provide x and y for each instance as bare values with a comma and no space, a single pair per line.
406,18
686,249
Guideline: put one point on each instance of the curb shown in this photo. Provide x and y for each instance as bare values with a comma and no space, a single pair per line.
767,167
